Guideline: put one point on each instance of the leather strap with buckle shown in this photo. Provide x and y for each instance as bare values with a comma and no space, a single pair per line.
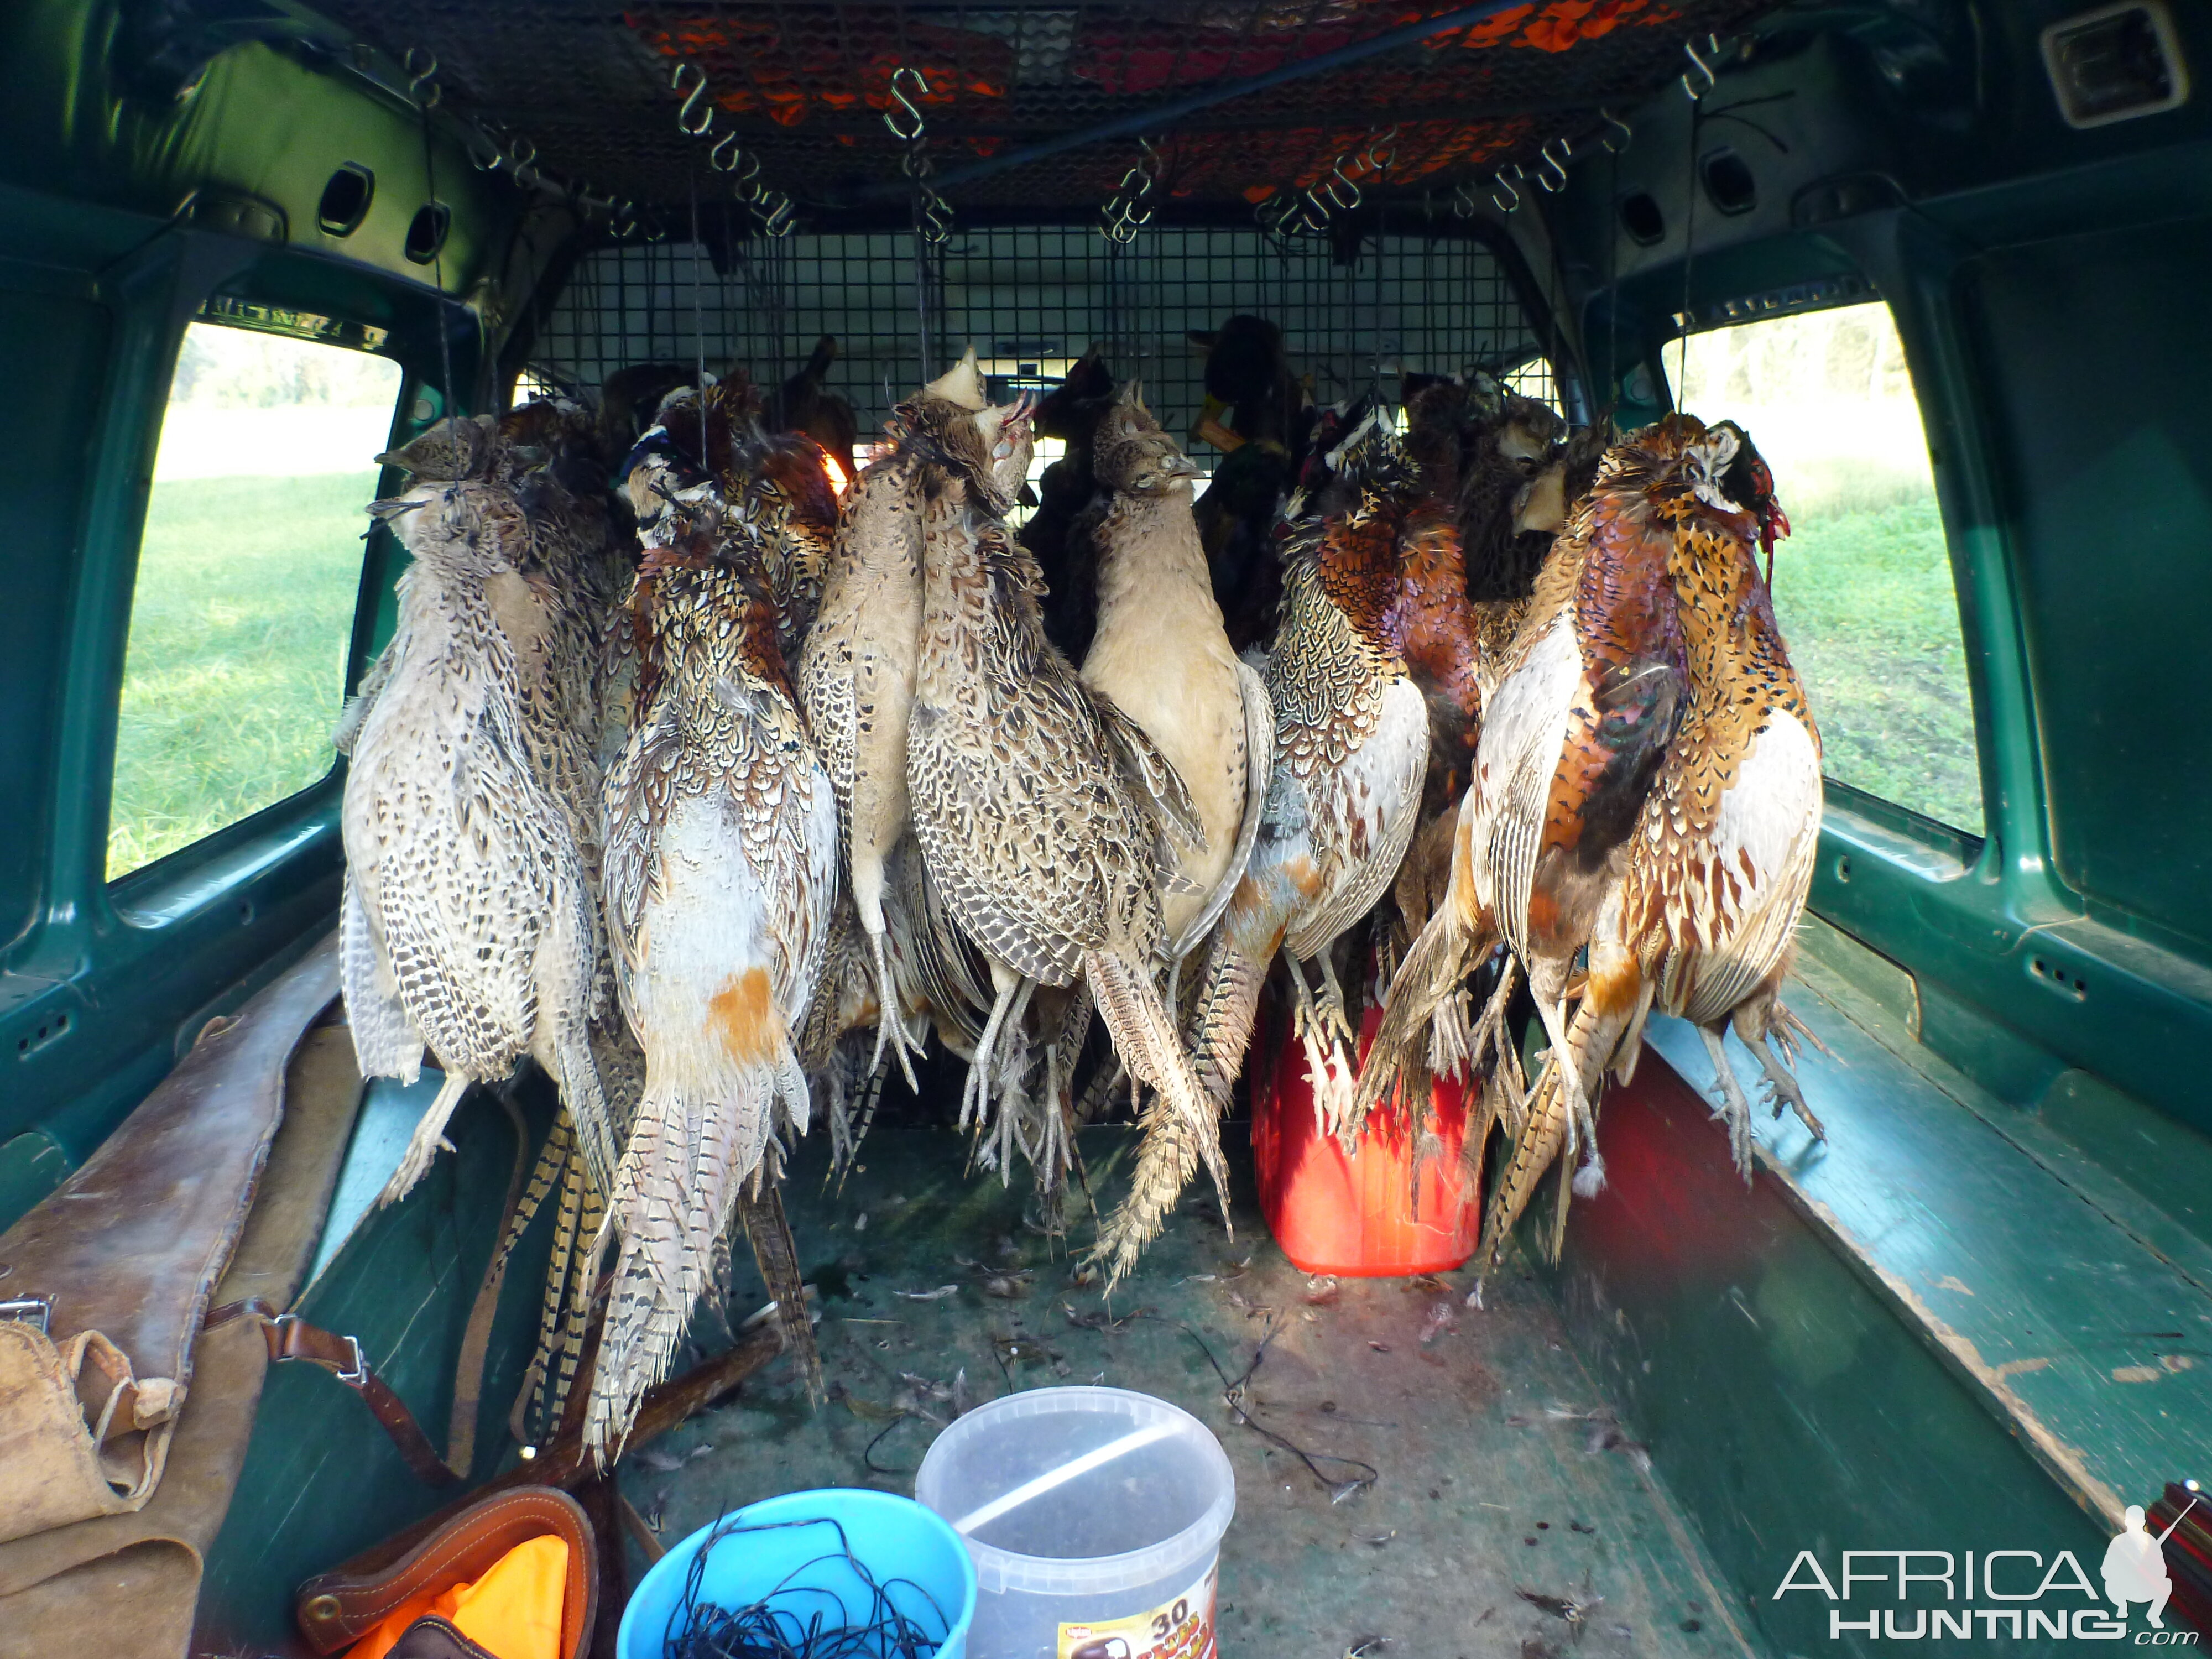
290,1337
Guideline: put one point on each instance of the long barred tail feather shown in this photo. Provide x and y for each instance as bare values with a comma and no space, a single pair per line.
777,1256
1539,1143
674,1192
1183,1128
592,1211
1228,1003
1429,976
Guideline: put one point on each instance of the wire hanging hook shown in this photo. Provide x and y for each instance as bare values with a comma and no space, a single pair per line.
1129,209
697,118
1504,189
522,161
909,130
1382,151
491,136
1701,66
1343,194
1552,169
1617,134
421,68
726,156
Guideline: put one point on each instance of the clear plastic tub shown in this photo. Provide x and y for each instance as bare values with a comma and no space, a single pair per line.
1095,1518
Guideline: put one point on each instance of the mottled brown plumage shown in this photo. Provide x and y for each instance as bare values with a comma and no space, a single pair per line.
720,875
1160,654
1038,806
1350,748
855,673
469,920
772,486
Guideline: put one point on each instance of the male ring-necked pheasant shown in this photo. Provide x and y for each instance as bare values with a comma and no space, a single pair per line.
1700,923
1571,738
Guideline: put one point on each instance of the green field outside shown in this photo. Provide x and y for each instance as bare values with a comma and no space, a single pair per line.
1865,599
236,665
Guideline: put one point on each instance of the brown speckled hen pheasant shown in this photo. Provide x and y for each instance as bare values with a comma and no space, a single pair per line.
468,918
1351,748
855,674
1039,806
1159,653
776,485
721,874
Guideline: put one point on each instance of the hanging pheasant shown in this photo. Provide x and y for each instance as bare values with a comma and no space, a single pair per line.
1352,739
1613,768
468,918
773,486
1700,923
1571,739
1159,653
855,673
721,874
1041,808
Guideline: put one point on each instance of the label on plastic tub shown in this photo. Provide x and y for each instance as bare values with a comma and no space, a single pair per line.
1179,1629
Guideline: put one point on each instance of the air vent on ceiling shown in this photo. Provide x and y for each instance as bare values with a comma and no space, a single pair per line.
2116,63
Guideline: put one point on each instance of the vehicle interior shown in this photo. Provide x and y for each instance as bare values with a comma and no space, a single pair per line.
248,247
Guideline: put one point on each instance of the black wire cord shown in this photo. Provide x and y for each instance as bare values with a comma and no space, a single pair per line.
794,1619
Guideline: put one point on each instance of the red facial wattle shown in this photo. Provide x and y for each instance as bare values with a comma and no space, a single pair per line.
1773,525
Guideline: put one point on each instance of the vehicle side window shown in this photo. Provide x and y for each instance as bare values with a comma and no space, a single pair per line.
247,577
1862,587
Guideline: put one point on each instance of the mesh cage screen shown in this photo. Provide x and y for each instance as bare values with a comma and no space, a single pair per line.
1030,300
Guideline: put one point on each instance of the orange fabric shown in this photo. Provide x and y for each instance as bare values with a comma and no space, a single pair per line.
513,1611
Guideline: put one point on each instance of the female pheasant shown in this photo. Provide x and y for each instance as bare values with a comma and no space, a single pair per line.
1351,744
1159,651
721,871
468,918
1038,804
716,449
856,670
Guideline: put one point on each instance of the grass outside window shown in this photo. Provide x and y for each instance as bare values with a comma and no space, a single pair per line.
247,577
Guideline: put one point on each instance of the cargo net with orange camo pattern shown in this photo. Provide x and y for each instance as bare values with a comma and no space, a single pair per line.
803,87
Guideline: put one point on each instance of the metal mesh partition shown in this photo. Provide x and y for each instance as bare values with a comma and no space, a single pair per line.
1031,299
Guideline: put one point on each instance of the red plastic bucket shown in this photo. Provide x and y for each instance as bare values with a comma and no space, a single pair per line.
1357,1214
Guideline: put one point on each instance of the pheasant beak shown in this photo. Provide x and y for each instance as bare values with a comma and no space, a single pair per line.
1178,467
1014,428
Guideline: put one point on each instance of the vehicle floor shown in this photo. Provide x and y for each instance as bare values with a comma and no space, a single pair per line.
1496,1468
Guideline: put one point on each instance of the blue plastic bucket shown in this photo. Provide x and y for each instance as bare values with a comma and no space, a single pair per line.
895,1537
